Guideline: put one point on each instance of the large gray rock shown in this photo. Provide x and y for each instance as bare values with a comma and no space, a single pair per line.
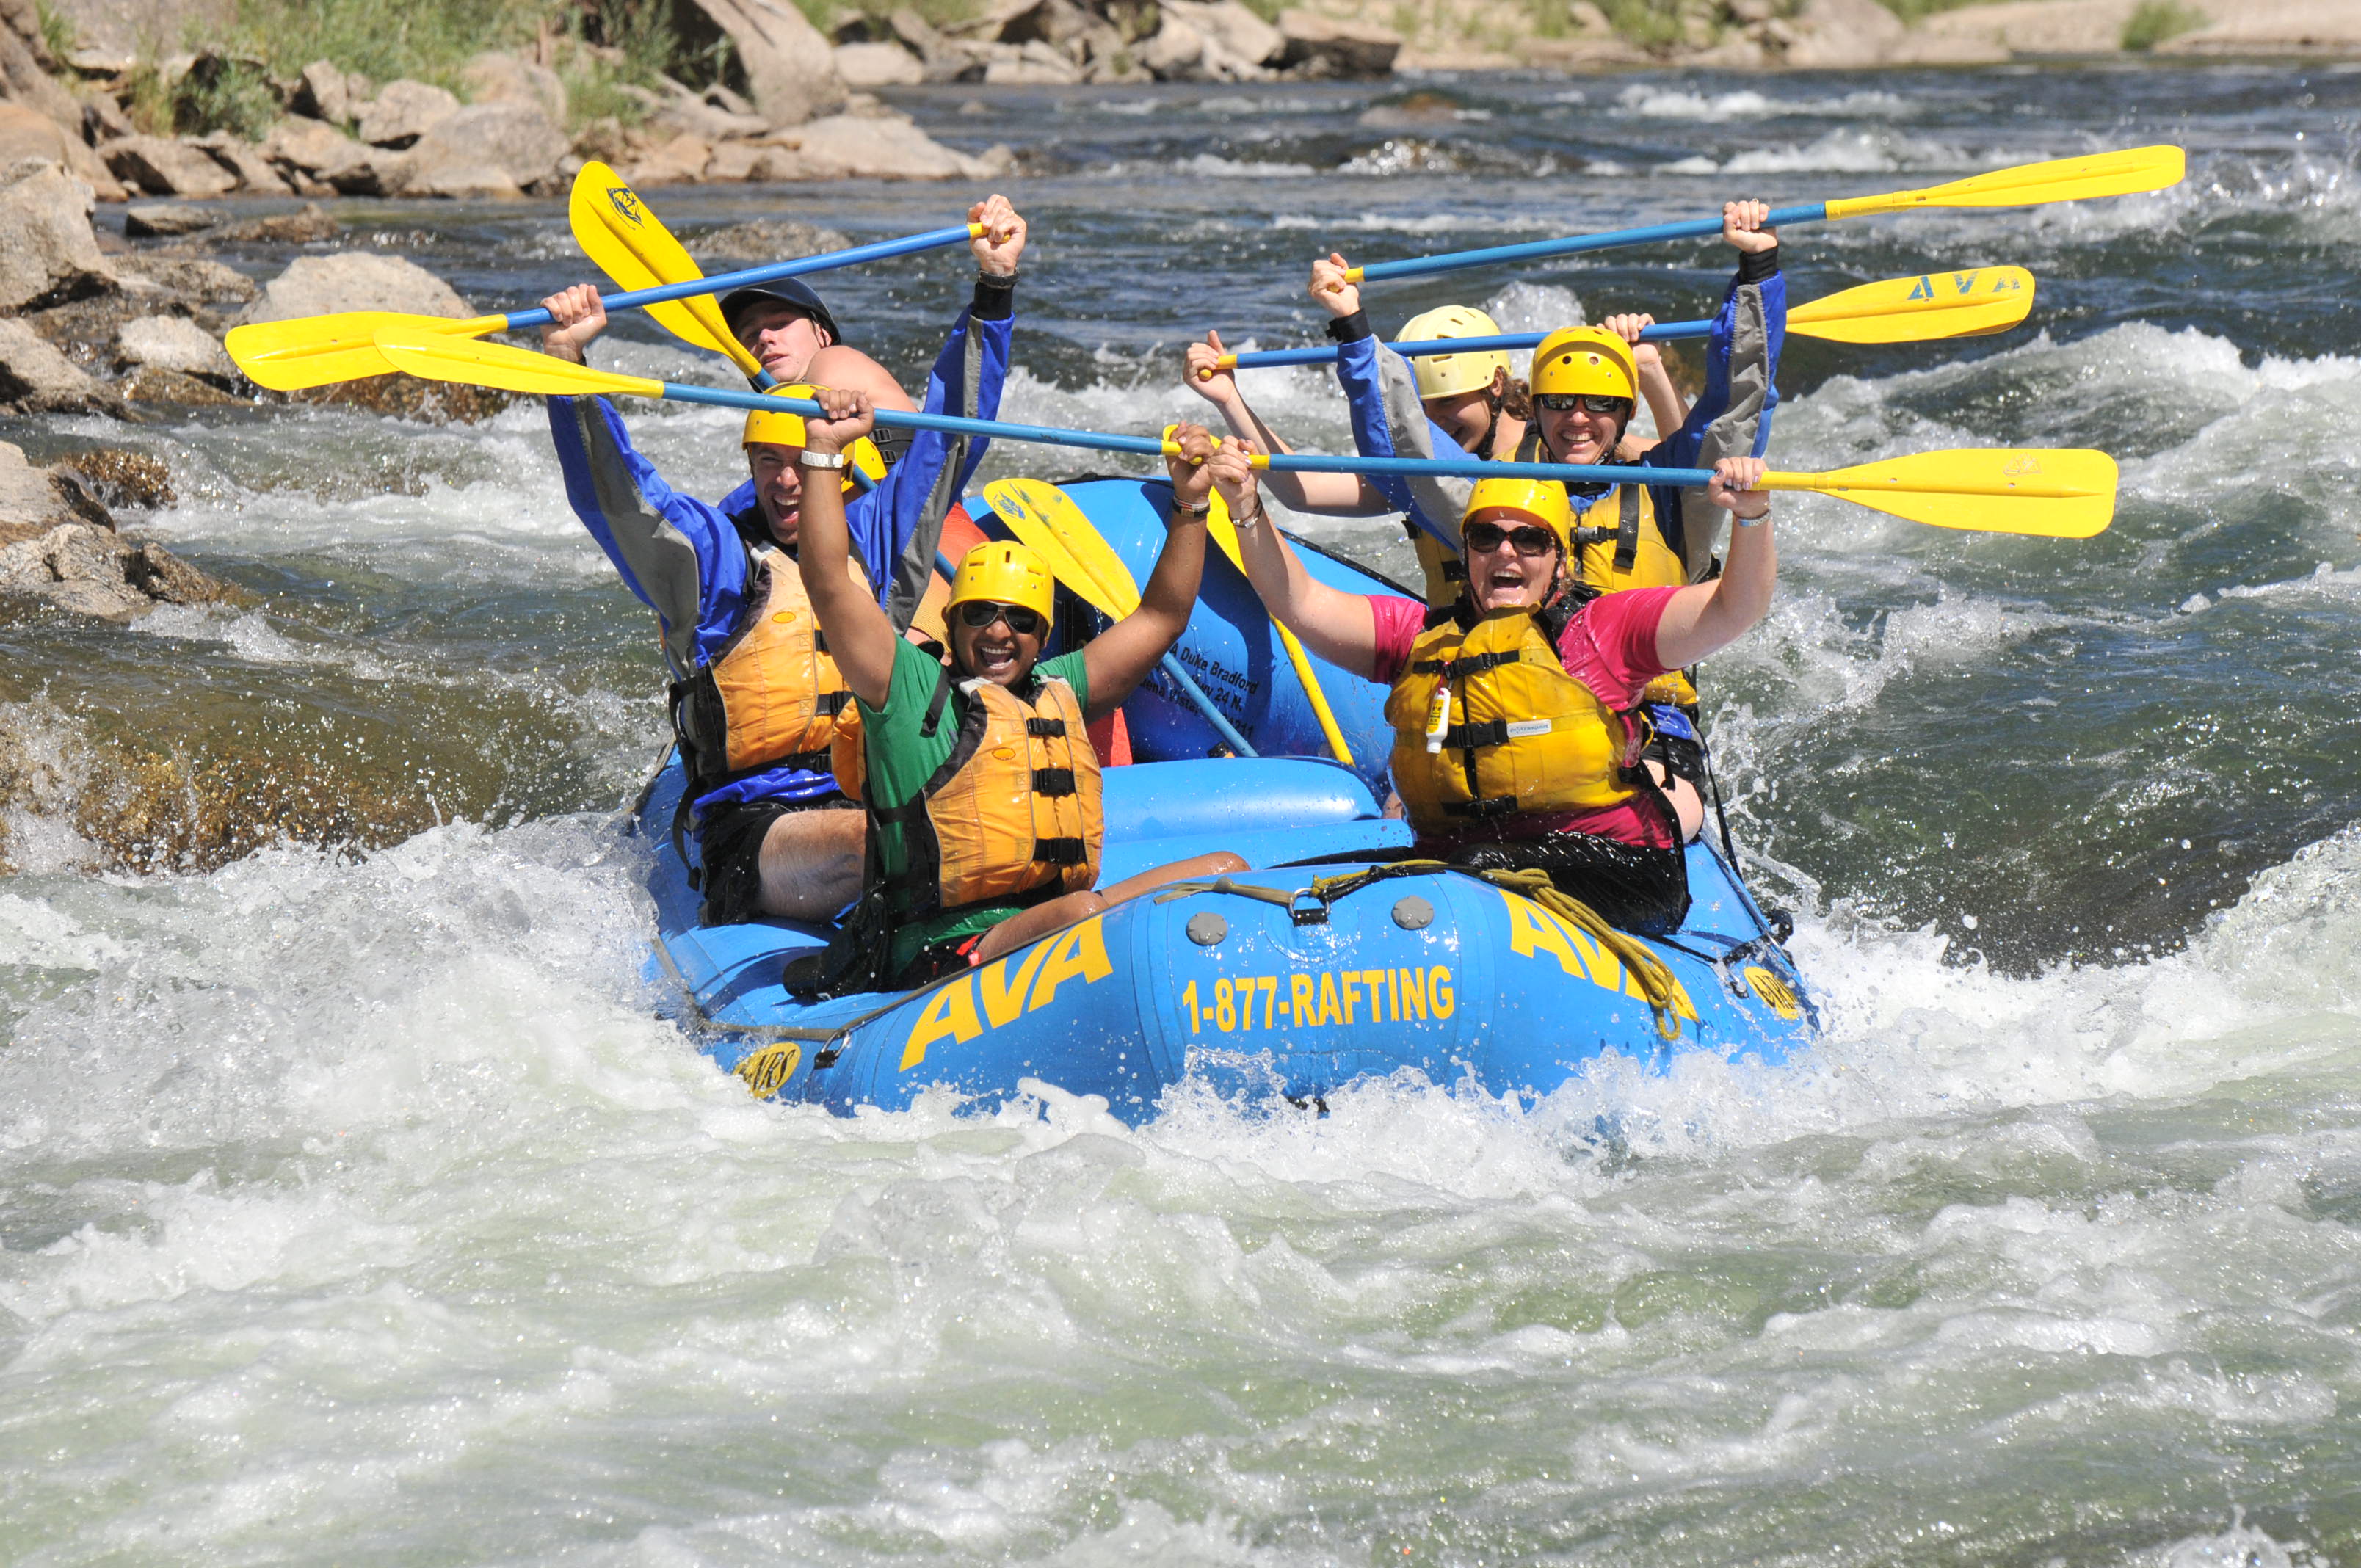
789,66
173,343
48,251
495,78
162,167
852,146
317,157
256,175
324,92
865,65
1837,34
402,112
36,379
1240,34
355,280
1322,46
485,149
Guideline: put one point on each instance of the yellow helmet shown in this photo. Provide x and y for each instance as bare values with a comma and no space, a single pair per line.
1005,573
1447,375
779,427
1543,500
1585,359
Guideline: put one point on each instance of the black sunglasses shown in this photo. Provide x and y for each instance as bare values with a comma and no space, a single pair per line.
981,613
1590,402
1483,538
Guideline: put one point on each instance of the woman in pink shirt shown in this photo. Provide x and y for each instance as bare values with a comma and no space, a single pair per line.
1518,722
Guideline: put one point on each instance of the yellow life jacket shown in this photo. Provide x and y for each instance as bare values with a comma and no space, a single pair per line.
1017,808
1487,723
1623,548
772,694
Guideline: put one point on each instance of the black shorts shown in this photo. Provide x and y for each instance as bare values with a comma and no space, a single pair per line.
730,848
1637,888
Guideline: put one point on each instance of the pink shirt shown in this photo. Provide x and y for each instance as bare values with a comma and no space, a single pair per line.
1611,647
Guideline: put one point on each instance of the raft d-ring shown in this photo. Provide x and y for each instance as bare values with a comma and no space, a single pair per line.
1314,914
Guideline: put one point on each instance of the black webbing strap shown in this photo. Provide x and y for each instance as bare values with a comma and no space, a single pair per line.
1053,780
1627,530
1060,852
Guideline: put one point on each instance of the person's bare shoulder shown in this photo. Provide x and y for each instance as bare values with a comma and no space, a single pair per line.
838,366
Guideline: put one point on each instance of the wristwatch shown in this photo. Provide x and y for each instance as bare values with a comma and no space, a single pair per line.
811,459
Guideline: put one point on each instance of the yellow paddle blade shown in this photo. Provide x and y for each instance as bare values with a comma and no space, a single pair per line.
632,248
1029,507
1921,310
438,357
2060,493
1226,535
1074,535
316,351
2125,174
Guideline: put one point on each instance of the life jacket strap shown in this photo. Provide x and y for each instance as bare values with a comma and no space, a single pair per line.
1053,782
1060,852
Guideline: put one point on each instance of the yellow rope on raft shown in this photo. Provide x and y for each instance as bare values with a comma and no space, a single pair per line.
1658,986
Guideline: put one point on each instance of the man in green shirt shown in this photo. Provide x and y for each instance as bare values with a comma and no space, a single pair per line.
980,780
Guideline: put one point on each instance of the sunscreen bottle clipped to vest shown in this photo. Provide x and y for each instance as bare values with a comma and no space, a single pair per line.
1438,716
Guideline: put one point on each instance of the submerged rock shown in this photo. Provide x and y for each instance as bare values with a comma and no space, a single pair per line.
769,239
167,220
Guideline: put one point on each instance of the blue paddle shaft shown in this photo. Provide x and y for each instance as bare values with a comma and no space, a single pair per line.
1413,266
1148,447
771,273
1662,331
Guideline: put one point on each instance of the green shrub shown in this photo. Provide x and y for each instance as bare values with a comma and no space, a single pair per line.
234,95
58,34
1914,10
2156,20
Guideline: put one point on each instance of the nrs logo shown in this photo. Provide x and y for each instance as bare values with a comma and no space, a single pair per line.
626,203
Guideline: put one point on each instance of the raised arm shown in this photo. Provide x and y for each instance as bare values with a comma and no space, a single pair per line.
1328,495
860,638
1336,625
1665,404
1118,658
1709,617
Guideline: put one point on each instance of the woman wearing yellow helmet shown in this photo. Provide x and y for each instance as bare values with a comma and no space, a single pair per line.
982,786
1517,718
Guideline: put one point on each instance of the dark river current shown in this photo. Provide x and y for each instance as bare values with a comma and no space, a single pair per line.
354,1206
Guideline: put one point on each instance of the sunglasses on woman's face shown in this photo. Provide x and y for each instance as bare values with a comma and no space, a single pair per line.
1589,403
981,613
1483,538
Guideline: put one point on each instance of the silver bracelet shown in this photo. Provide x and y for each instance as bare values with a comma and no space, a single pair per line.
1762,516
810,459
1252,519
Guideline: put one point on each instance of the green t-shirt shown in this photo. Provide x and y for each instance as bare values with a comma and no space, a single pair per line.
901,760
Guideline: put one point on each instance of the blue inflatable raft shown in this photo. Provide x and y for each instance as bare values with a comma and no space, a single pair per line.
1295,978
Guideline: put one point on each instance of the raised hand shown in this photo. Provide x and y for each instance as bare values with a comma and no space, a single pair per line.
576,315
850,416
1628,327
1003,239
1741,227
1337,296
1192,482
1203,375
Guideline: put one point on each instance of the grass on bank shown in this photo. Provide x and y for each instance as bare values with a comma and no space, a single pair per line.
2157,20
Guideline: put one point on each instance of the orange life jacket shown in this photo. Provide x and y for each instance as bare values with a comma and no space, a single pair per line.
1017,807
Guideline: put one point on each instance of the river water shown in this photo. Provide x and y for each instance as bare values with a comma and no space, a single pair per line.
355,1206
